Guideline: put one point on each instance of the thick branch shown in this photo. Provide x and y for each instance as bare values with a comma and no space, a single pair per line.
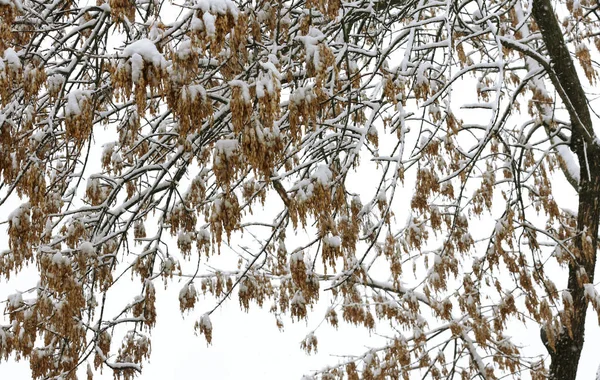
567,350
564,71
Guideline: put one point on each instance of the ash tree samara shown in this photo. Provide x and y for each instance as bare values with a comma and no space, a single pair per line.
407,159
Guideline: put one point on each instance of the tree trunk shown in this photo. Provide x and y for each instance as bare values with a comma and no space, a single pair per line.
565,357
569,343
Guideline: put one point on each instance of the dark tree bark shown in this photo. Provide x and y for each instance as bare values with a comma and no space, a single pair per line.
569,343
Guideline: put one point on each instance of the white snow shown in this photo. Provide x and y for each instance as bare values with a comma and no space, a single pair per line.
269,66
59,259
147,50
302,94
568,157
188,290
296,257
15,300
203,234
220,7
567,298
137,66
196,24
72,107
28,114
184,50
499,227
93,184
333,241
20,213
590,291
107,149
87,248
298,298
116,158
205,322
12,59
195,90
311,44
209,23
55,82
227,146
260,89
38,136
421,76
184,238
155,33
322,175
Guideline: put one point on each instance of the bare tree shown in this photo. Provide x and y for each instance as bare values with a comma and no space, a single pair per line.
254,118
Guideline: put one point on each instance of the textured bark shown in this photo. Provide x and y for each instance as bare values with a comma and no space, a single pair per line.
565,356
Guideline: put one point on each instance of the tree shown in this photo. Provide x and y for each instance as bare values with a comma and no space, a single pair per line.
254,118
